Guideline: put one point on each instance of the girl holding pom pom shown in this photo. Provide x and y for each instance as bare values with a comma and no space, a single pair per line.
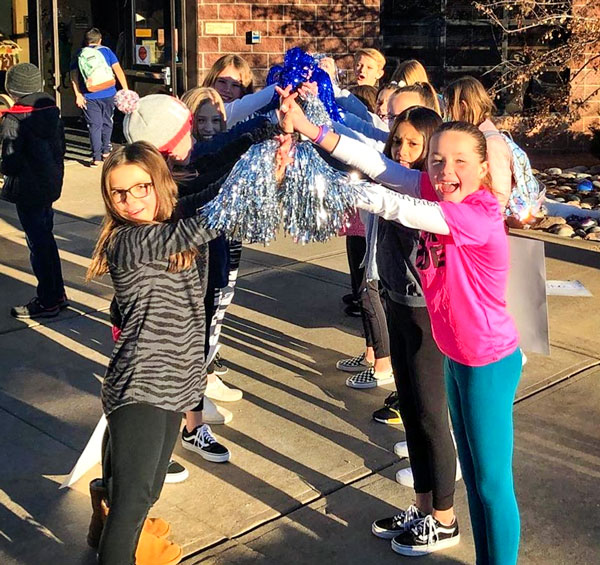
152,245
463,267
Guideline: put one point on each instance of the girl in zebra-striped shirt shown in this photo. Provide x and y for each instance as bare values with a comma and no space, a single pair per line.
154,247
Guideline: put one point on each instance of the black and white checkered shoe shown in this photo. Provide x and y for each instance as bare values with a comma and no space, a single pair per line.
353,365
369,379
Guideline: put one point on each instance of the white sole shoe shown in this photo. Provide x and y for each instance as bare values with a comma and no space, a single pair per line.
405,476
218,390
401,449
412,551
213,414
353,364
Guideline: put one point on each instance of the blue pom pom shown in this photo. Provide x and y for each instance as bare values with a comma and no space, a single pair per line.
585,186
299,67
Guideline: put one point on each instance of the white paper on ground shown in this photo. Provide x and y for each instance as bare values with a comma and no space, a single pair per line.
91,455
566,288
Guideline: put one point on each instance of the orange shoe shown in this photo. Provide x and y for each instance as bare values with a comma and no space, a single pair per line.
157,527
157,551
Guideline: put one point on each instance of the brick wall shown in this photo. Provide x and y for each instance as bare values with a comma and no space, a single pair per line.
586,85
336,27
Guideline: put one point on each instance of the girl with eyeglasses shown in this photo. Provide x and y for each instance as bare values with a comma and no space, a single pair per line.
151,244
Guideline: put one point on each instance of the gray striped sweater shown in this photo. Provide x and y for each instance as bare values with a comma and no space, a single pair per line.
159,357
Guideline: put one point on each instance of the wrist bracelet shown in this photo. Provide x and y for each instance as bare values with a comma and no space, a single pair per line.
323,131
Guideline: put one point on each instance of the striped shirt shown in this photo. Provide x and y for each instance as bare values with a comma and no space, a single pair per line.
159,357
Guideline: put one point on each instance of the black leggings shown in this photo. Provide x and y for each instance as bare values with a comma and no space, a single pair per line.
418,370
374,319
141,440
356,246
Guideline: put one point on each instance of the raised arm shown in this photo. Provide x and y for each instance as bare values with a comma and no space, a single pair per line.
239,110
414,213
134,246
379,133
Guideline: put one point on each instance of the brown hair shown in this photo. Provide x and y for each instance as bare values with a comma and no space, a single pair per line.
239,63
196,97
480,143
93,35
366,94
409,72
466,99
147,157
425,120
377,56
425,91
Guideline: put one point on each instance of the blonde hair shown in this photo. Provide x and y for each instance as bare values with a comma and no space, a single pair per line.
239,64
147,157
377,56
425,91
197,97
467,100
409,72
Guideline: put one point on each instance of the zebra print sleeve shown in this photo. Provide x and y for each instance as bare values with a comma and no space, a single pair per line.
134,246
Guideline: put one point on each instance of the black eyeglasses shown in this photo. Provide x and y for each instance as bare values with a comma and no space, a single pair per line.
139,190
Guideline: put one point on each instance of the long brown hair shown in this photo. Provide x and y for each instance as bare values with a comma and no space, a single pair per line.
197,97
466,99
147,157
480,144
425,121
238,63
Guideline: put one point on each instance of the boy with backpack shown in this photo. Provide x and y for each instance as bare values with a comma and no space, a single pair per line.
93,76
33,148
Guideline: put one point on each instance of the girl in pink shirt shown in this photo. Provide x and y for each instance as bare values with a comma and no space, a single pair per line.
463,264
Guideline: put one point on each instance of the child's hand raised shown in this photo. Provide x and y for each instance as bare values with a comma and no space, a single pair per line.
284,155
291,116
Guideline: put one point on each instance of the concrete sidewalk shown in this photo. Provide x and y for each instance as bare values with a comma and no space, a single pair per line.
309,469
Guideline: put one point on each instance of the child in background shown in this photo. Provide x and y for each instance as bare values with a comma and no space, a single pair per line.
467,100
409,72
372,367
149,240
383,97
33,148
208,114
232,78
368,66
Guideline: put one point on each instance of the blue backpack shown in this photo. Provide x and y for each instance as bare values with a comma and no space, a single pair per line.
528,194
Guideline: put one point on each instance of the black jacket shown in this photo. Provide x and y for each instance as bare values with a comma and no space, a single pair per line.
33,150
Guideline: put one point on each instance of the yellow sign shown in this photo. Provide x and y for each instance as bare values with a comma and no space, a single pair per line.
219,28
143,32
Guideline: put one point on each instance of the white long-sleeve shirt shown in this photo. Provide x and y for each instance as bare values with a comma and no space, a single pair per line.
240,109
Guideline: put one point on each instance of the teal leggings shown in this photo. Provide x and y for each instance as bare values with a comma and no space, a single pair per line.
481,408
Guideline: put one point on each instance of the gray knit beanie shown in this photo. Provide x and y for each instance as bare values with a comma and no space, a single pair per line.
23,79
159,119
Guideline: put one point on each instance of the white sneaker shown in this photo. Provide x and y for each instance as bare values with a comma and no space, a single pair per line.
218,390
405,476
401,450
213,414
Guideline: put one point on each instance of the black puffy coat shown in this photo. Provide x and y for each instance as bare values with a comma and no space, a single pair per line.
33,150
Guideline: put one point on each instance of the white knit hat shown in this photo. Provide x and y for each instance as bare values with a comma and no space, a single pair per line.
159,119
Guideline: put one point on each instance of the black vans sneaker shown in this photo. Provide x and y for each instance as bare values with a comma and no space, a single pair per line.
202,441
35,309
426,536
176,473
388,528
